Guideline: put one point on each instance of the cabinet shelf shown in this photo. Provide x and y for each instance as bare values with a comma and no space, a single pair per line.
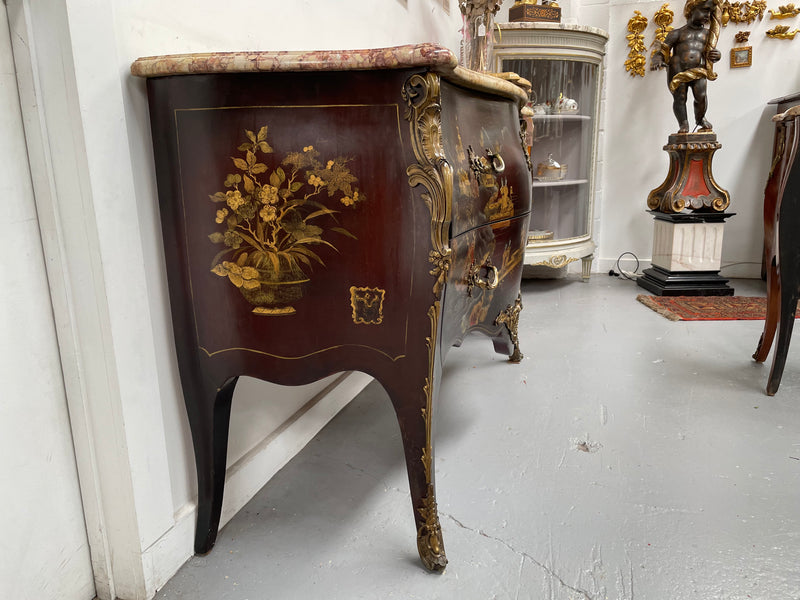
560,183
561,117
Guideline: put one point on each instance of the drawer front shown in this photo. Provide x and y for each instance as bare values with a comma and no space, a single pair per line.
484,279
491,181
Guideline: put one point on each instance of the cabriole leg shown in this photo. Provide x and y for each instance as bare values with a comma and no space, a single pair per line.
510,318
413,391
209,419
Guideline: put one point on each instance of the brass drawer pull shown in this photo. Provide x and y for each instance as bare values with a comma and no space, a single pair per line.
491,163
498,164
487,282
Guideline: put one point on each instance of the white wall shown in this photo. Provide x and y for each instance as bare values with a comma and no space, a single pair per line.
44,552
87,132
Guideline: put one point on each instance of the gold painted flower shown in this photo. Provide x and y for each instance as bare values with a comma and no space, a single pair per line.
221,214
268,194
268,213
232,239
234,199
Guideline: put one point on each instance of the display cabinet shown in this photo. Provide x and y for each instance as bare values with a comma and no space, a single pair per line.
564,64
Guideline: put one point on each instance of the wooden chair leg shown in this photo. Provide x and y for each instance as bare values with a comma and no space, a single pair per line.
209,420
773,312
785,325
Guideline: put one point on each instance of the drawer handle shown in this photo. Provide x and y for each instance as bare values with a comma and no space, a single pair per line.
489,281
498,164
492,162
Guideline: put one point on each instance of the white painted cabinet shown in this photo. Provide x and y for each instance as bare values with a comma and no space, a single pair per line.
564,65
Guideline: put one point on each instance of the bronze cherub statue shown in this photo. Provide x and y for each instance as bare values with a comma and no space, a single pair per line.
689,53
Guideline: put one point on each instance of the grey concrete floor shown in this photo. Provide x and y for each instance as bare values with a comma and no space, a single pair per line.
627,457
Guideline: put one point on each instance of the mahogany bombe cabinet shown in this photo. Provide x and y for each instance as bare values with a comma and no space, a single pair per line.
335,211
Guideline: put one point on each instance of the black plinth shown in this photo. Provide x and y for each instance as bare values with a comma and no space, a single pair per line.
662,282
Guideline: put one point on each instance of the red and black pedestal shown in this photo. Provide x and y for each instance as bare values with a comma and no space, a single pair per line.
687,246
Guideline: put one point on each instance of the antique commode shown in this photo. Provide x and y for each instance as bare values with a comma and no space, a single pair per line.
335,211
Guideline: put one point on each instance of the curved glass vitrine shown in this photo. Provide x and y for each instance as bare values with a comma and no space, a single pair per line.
564,65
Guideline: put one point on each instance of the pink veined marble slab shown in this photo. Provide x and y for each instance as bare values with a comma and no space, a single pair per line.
438,58
397,57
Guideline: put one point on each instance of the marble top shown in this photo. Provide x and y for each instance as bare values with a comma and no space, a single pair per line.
438,58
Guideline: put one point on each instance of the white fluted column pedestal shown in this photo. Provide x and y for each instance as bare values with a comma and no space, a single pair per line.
687,250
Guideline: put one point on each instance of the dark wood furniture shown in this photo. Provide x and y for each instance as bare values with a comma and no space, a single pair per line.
781,242
335,211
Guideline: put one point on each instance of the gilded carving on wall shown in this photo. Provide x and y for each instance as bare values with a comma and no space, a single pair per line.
743,12
786,11
270,219
636,60
782,32
367,305
663,19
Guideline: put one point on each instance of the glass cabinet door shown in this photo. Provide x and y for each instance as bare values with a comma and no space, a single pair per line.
563,99
565,81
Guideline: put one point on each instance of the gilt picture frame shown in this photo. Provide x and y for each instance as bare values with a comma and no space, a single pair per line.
741,57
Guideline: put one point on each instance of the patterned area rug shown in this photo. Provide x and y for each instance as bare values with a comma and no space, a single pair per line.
706,308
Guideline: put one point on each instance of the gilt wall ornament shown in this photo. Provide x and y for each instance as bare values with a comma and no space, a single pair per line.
636,61
663,19
741,56
786,11
743,12
782,32
271,217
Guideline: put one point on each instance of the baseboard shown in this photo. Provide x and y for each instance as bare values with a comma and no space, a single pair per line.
248,475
